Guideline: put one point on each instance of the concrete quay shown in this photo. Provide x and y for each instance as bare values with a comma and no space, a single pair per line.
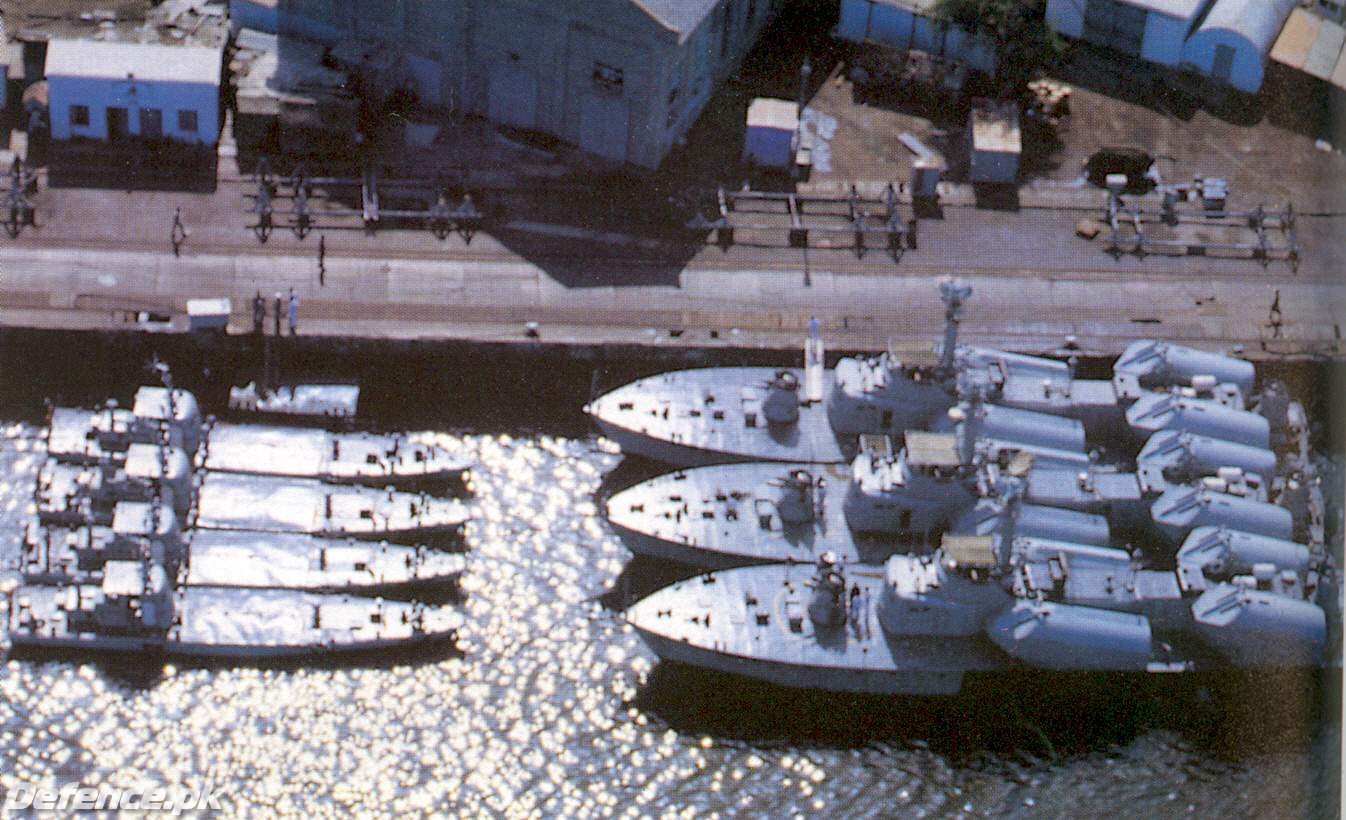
751,299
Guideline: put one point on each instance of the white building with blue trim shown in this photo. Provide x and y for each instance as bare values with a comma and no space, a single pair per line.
110,91
1233,40
1226,40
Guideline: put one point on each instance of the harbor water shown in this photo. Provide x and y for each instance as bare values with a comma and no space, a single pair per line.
551,706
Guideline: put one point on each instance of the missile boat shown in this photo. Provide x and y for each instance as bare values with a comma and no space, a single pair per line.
731,414
243,560
733,514
378,460
137,609
227,501
71,495
984,603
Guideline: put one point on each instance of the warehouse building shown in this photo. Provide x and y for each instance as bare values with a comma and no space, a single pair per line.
1226,40
1315,45
1233,41
912,24
1153,30
620,79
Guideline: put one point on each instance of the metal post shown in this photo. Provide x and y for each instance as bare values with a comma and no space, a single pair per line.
953,293
805,74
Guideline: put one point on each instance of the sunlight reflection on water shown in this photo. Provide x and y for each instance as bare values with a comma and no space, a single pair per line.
542,713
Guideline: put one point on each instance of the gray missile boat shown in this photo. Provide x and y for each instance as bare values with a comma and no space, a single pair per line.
987,604
228,501
733,514
372,459
245,560
71,495
136,609
728,414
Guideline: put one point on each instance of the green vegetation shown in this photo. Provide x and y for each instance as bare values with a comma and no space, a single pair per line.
1017,28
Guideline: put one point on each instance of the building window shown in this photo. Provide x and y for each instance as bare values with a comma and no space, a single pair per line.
608,79
79,115
187,121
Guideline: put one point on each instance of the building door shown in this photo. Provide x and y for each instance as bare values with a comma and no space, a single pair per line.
605,126
1115,25
118,123
1224,62
151,123
513,96
427,75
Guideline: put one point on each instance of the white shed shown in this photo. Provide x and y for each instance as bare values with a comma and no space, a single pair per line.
772,127
111,90
1153,30
1232,43
994,142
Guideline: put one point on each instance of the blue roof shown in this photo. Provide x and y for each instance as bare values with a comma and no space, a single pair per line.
1257,21
679,16
1182,9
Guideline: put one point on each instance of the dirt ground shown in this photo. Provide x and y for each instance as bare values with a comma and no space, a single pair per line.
1285,145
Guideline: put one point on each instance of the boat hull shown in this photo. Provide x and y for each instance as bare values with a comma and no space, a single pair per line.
833,679
634,443
694,556
714,416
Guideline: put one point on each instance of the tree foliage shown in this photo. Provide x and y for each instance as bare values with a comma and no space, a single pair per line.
1017,28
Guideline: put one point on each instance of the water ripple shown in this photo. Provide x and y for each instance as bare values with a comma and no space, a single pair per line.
555,708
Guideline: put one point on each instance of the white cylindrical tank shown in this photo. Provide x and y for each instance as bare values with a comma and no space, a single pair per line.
1029,550
1252,628
1192,455
992,517
1065,637
1035,521
1012,425
1162,364
1222,552
1163,411
1180,510
1016,364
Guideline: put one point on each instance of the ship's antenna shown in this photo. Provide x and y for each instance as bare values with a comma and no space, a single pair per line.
165,434
954,293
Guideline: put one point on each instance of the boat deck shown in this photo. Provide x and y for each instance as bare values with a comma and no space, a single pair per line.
303,453
692,417
726,515
272,623
759,615
228,501
289,561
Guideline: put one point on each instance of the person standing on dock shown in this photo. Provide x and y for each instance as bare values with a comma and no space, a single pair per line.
322,261
258,313
280,309
294,312
177,234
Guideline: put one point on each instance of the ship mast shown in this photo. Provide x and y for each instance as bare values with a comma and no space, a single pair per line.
953,293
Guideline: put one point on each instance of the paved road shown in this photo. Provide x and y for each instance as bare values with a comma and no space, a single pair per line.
97,254
408,297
